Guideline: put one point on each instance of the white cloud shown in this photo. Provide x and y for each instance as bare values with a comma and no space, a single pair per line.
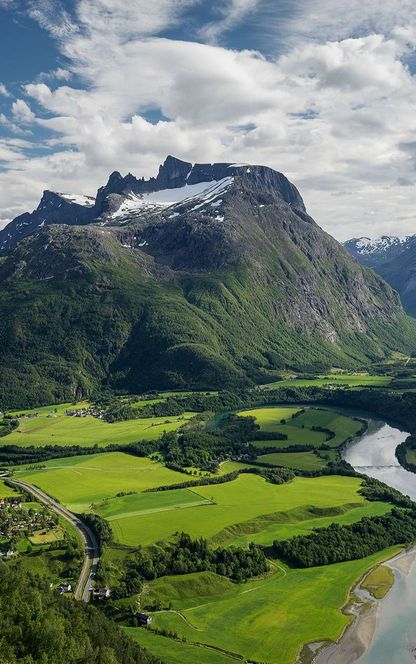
336,116
52,17
11,126
22,112
232,13
322,20
4,91
58,74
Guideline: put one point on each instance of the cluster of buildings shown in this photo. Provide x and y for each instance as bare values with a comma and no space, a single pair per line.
86,412
16,521
14,504
100,593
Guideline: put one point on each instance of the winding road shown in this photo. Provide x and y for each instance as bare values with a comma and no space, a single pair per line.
91,548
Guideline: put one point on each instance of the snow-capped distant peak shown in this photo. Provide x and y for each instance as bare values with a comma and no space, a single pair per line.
365,245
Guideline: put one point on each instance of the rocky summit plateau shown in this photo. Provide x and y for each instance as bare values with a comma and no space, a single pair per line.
206,275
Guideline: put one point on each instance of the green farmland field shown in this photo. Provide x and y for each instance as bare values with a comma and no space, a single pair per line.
269,620
299,429
149,503
340,380
53,409
186,590
233,504
411,456
172,652
224,511
268,418
299,522
301,460
344,427
6,491
56,428
46,537
79,482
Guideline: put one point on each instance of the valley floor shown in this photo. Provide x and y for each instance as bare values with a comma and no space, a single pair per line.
204,617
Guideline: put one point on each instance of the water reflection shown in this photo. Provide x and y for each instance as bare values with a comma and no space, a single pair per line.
394,640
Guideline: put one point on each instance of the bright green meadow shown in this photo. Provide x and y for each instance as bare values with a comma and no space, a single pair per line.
298,429
243,506
297,460
269,620
173,652
82,481
340,380
53,427
6,491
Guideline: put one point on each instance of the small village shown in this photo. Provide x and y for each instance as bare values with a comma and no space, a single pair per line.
86,412
17,522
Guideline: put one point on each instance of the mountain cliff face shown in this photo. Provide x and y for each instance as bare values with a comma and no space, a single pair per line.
208,275
392,258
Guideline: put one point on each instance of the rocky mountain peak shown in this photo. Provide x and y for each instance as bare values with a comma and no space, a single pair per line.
49,198
115,176
172,173
123,198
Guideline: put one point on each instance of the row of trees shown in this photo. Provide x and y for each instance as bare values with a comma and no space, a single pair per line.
374,490
100,527
337,543
273,474
15,455
185,556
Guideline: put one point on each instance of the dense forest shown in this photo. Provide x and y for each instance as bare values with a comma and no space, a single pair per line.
38,626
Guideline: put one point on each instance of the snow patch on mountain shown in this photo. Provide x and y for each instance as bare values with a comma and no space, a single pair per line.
79,199
202,192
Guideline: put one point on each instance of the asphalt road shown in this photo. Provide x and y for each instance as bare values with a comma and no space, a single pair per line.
92,553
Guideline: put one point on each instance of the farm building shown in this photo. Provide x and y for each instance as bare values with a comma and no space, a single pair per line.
101,593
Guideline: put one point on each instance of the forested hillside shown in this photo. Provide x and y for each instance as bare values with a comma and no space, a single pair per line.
38,626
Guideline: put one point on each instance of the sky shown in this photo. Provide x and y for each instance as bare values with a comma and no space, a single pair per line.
322,90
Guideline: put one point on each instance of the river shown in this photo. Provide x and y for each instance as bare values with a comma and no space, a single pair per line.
394,640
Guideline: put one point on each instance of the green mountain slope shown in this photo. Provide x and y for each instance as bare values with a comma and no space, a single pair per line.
198,300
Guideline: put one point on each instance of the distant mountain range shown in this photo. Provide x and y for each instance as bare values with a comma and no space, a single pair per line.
394,259
207,275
